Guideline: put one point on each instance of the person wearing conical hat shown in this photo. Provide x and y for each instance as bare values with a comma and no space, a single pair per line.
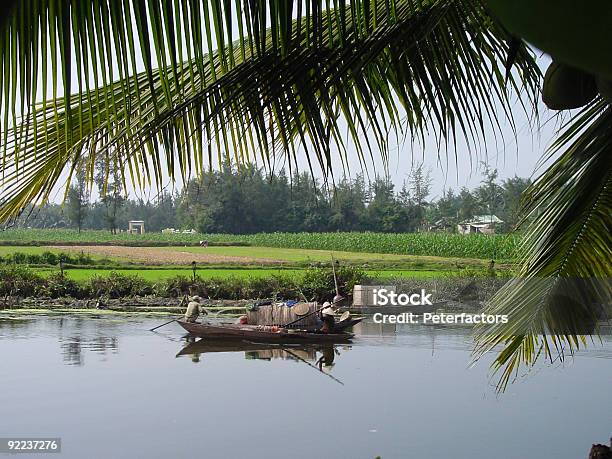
327,316
194,309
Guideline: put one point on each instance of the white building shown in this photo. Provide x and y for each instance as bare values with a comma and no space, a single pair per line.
484,224
136,227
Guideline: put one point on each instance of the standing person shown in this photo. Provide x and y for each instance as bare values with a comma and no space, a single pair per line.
194,309
327,316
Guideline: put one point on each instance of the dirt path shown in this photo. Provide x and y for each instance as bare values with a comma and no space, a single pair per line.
162,255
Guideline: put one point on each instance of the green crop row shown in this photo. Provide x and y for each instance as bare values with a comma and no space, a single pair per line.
498,246
49,258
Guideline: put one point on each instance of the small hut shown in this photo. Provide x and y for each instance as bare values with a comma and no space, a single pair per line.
136,227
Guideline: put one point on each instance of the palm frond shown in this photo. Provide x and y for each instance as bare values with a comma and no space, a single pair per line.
241,80
564,286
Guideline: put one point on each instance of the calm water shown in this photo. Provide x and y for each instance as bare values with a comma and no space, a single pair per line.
110,389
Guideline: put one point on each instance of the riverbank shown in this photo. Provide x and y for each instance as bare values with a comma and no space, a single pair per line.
450,294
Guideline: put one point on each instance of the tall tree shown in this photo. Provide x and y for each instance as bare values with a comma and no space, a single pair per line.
77,202
110,187
468,204
420,187
513,189
490,195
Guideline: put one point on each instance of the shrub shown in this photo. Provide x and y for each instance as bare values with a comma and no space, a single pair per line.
18,280
319,282
57,285
51,258
117,285
178,286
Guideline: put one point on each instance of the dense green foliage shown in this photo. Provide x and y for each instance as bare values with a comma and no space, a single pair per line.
316,283
247,201
49,258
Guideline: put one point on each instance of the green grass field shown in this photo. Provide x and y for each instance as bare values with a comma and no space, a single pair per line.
155,264
6,250
167,273
155,275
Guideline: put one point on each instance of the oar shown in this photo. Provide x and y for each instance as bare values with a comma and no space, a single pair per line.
160,326
311,313
335,277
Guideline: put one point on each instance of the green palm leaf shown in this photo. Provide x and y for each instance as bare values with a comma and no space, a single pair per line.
564,285
291,74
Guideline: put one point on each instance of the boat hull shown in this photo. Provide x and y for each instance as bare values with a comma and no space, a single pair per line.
338,326
260,333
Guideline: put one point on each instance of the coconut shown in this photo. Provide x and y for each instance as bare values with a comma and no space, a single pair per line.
567,87
605,88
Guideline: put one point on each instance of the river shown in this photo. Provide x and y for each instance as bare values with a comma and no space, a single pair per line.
112,389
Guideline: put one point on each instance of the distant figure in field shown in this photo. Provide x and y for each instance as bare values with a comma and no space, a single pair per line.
203,243
194,309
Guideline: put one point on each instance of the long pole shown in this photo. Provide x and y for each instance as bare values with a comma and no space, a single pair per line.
335,278
294,355
160,326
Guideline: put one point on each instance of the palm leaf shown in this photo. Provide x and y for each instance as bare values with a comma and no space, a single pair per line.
564,285
293,74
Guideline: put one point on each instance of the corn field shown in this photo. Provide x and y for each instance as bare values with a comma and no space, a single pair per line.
498,246
428,244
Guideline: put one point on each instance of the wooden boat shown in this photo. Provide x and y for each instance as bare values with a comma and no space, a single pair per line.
261,333
207,346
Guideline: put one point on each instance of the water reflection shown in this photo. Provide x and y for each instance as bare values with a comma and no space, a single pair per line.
73,347
9,325
76,335
321,357
397,401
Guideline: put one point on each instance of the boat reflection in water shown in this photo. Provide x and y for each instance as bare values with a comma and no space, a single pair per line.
320,356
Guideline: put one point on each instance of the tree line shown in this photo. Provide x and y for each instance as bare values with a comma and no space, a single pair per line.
247,200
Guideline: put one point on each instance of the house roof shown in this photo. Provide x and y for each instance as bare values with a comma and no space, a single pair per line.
482,220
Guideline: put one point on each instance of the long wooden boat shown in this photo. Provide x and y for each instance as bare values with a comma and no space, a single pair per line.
261,333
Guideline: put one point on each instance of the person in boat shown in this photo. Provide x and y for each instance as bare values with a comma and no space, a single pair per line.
243,320
194,309
327,316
